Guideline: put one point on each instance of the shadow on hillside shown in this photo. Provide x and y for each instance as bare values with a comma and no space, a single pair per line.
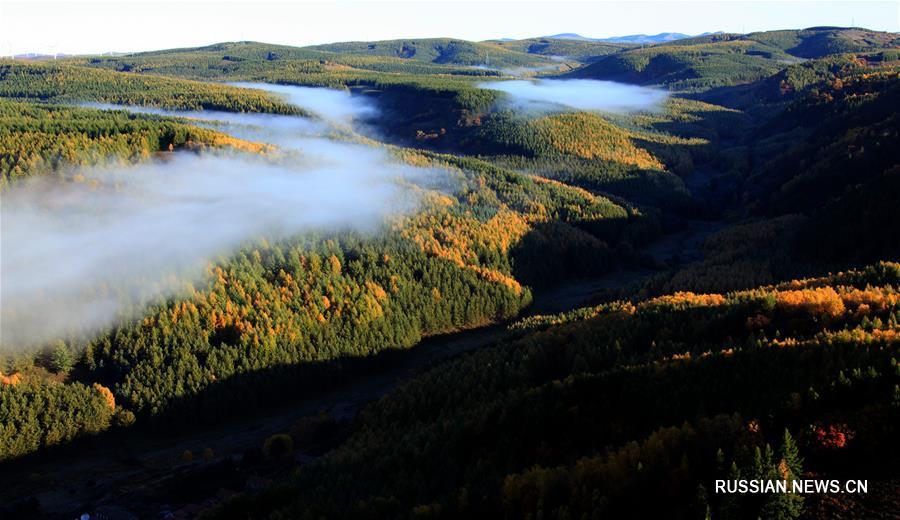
713,125
234,415
581,250
739,97
653,189
415,119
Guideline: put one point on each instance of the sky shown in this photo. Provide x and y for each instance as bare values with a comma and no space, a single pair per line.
79,27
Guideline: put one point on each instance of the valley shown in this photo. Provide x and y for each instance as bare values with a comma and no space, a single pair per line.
441,278
108,472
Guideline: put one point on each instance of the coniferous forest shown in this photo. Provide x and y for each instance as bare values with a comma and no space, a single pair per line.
546,306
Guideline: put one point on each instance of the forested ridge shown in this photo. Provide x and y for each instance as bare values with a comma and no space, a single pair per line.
39,132
52,82
585,51
590,151
40,138
749,359
705,62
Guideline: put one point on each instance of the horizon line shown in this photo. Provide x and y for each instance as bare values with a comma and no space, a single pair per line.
597,39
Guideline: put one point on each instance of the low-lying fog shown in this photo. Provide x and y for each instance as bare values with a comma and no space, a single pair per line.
518,72
548,95
330,104
76,256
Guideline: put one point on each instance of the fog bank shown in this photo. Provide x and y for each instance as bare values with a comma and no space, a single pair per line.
518,72
548,95
336,106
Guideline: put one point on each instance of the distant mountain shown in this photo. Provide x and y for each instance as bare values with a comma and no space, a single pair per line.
60,55
583,50
646,38
441,51
39,56
570,36
633,38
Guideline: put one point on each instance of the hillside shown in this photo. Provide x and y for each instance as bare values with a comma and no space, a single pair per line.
563,48
432,55
448,268
817,42
63,83
626,400
437,50
838,169
812,186
685,65
37,139
716,60
588,150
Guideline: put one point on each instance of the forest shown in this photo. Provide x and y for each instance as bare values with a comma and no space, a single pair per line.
563,419
36,139
52,82
740,242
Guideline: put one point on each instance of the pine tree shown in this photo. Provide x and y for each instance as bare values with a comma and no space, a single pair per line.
790,456
61,358
730,506
700,509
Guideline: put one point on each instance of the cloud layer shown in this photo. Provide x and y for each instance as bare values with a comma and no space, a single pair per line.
336,106
547,95
77,256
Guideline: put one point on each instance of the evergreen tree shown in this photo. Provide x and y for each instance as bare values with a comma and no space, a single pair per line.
61,358
790,456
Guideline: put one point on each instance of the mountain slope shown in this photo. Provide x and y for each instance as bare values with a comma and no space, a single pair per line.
38,139
588,413
717,60
72,84
564,49
838,162
436,50
817,42
688,66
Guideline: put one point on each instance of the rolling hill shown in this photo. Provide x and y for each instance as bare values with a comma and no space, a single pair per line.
563,49
437,50
716,60
64,83
730,255
817,42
